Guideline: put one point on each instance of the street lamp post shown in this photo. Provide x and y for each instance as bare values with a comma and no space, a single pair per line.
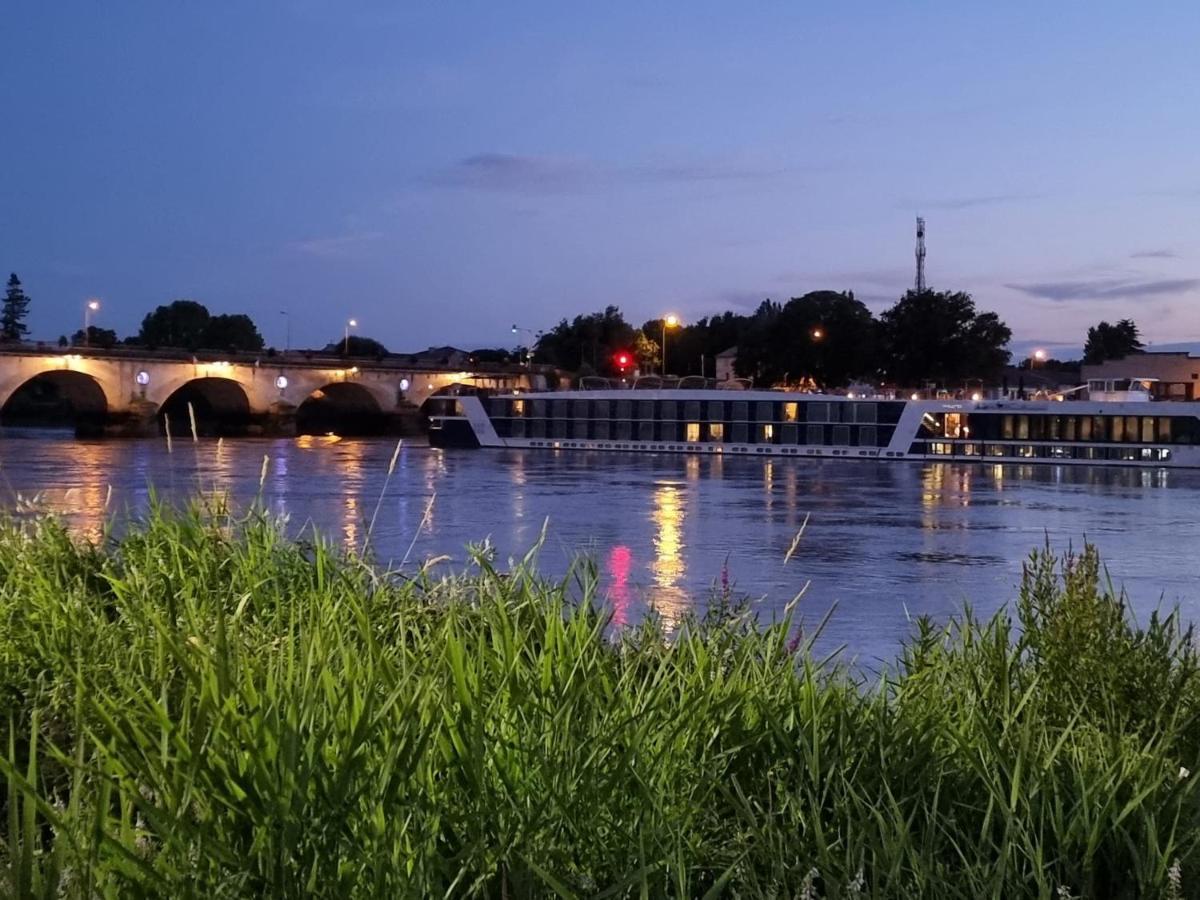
350,323
669,322
528,347
90,307
1038,356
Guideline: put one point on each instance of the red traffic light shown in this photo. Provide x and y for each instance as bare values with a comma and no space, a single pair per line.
623,360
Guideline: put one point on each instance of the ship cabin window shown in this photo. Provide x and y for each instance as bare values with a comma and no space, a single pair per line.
716,410
518,408
763,411
741,410
841,435
790,411
868,436
624,410
693,432
645,409
954,424
766,434
716,431
600,409
866,413
669,410
691,409
818,412
814,434
580,409
558,409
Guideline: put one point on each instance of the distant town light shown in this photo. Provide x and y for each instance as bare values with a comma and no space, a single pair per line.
817,334
281,382
977,396
93,305
142,377
1039,355
915,397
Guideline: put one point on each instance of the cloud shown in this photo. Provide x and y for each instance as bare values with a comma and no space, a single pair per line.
1155,254
342,246
512,173
1105,289
970,202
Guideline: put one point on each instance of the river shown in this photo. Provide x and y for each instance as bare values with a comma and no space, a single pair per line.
884,541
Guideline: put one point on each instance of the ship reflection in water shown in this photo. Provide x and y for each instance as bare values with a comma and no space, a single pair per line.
884,542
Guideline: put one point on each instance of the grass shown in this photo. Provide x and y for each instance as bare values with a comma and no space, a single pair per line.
205,707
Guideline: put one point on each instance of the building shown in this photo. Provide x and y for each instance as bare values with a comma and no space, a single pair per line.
726,362
1177,375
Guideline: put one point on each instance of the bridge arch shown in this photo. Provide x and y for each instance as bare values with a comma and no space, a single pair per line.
57,397
347,408
221,406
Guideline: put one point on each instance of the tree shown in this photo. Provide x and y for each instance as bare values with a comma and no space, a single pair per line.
232,332
647,352
357,346
938,336
1105,341
182,323
14,311
104,338
590,340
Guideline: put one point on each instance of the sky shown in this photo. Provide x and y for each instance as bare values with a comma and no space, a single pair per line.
442,171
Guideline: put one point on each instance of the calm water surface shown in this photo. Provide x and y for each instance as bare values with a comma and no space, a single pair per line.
884,540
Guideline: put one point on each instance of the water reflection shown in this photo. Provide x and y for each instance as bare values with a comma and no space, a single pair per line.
669,567
620,559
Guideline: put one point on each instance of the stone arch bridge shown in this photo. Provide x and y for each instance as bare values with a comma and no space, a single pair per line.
123,393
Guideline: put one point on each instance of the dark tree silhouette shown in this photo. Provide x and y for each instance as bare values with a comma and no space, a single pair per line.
14,311
1105,341
939,336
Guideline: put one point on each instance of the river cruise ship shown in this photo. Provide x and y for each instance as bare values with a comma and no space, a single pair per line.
1112,427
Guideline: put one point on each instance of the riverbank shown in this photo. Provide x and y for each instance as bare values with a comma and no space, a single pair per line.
205,707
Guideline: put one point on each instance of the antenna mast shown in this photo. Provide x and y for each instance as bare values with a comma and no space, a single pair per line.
920,254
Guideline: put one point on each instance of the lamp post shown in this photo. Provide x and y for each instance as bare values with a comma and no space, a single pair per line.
88,308
1038,356
669,322
350,323
529,346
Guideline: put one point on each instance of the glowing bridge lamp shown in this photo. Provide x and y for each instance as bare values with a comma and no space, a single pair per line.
281,382
90,307
671,321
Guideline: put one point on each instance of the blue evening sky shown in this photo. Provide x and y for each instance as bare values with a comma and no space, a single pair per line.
443,170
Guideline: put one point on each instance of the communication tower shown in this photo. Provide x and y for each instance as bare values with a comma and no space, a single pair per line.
920,254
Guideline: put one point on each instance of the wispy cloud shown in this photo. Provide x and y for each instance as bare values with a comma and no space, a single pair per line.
1155,254
971,201
1105,289
341,246
512,173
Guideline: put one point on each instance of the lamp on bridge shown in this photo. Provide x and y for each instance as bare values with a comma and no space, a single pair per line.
88,308
671,321
350,323
142,378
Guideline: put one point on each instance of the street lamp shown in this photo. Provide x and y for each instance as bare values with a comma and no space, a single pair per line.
670,321
1038,356
90,307
529,346
817,334
350,323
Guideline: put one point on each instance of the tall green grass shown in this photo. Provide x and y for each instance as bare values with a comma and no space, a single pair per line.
205,707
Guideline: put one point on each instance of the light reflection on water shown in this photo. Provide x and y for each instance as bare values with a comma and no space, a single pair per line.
885,540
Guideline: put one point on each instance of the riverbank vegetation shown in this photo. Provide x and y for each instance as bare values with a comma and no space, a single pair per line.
206,707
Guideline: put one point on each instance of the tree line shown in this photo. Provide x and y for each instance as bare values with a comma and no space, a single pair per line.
825,338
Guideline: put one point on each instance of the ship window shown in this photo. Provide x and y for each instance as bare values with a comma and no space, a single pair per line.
716,410
517,429
518,407
738,433
741,410
1148,429
600,430
645,431
691,409
970,449
624,428
580,409
537,428
1022,430
841,435
579,429
668,431
1164,428
669,409
766,434
865,413
1131,428
814,434
995,450
645,409
1025,450
789,412
624,410
818,412
790,435
716,431
538,409
558,428
1099,428
868,436
1055,423
1069,432
1006,428
558,409
953,425
763,411
600,409
941,448
1118,428
693,432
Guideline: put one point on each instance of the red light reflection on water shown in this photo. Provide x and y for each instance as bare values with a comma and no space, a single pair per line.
619,561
